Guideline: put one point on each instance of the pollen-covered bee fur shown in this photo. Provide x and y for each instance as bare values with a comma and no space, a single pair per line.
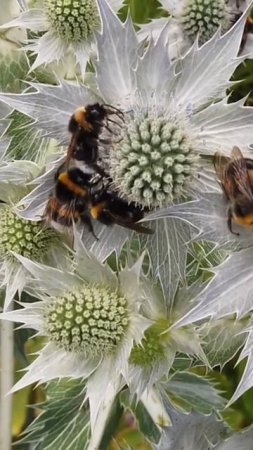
86,126
235,175
68,202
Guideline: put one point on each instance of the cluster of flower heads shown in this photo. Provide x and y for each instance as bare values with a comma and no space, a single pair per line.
125,326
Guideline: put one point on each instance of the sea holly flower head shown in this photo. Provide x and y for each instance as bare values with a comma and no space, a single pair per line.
196,19
202,18
72,20
24,237
91,318
153,357
154,160
68,26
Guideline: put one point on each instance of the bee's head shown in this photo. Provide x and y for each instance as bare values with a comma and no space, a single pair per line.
95,112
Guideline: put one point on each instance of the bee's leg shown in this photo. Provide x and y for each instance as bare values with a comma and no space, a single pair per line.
112,110
87,221
229,222
110,141
99,170
105,141
113,121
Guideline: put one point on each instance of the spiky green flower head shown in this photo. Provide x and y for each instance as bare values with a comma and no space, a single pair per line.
154,161
204,17
30,239
73,20
91,320
152,348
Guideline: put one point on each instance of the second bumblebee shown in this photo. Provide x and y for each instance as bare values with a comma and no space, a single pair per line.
236,178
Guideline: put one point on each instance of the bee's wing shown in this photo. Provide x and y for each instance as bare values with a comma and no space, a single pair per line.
236,154
130,225
233,174
241,175
71,148
221,164
65,211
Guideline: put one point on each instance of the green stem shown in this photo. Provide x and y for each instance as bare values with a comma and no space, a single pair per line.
7,366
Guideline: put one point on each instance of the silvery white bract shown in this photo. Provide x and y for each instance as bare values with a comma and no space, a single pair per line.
192,19
65,27
222,338
191,432
197,432
175,113
241,440
229,293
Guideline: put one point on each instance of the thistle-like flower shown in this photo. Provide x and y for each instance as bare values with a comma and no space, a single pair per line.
196,19
65,26
24,237
91,318
154,356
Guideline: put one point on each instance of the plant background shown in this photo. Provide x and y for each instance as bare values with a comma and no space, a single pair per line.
123,429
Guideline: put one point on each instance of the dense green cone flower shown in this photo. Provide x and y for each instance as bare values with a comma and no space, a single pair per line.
67,26
18,235
91,320
72,20
202,18
154,161
196,19
24,237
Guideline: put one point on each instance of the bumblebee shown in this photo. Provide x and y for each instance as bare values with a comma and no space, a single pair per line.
83,197
109,209
69,200
236,178
86,125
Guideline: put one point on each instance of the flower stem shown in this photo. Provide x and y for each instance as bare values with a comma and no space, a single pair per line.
7,366
103,414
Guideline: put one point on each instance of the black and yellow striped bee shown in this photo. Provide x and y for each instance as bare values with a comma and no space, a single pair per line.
236,178
85,196
86,125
